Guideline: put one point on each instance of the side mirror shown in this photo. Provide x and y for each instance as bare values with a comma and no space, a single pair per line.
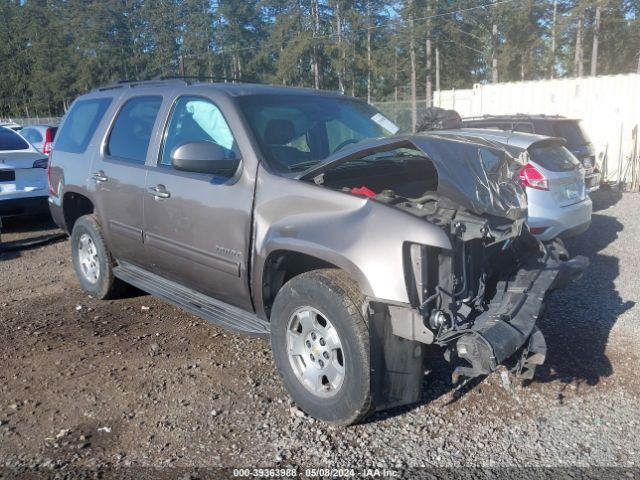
203,157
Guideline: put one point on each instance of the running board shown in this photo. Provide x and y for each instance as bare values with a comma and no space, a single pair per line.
217,312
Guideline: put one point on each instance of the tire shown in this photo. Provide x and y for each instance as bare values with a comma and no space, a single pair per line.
88,245
329,304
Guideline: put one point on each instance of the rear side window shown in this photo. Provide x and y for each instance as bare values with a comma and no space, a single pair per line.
573,133
32,135
555,158
80,124
131,132
10,140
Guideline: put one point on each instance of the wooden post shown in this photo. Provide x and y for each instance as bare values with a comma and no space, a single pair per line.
594,49
428,87
552,62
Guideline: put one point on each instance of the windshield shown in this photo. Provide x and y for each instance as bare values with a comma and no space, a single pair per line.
10,140
298,131
573,133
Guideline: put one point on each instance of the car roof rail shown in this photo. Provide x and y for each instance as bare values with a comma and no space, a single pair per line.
515,116
139,83
201,78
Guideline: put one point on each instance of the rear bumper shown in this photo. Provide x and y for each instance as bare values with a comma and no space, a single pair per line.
22,205
507,333
560,221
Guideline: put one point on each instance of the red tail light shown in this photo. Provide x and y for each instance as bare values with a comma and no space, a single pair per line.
46,148
51,190
531,177
538,230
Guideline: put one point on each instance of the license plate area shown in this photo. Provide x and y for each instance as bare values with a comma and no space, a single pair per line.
7,176
571,191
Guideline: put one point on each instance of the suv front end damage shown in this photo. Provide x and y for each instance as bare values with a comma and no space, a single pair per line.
481,298
482,301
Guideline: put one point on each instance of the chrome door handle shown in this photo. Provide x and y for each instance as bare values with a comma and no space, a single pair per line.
100,177
158,192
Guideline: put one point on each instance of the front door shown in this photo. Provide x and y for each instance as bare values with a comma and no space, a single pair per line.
119,176
197,226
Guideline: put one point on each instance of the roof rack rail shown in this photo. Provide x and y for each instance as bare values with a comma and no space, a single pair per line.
188,78
139,83
514,116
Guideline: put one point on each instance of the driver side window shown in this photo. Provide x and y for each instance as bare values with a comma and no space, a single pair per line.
196,119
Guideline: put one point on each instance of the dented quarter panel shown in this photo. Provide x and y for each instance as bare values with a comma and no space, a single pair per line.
361,236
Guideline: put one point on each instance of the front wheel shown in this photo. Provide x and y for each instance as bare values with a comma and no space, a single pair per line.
320,342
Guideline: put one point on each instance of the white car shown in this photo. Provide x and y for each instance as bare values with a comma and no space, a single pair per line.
23,176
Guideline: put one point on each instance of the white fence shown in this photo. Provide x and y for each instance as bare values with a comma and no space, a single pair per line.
609,106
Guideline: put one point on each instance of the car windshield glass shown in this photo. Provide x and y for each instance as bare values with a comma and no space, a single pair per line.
573,133
554,157
10,140
298,131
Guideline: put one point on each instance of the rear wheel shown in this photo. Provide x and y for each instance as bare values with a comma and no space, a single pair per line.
92,260
320,342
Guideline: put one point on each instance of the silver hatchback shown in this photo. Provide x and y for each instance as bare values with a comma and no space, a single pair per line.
559,204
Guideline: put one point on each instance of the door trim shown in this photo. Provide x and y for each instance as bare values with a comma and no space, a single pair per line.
195,255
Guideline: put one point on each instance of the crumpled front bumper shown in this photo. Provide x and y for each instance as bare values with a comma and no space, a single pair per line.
508,327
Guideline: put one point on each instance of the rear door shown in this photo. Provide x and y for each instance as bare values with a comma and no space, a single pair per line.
119,175
197,226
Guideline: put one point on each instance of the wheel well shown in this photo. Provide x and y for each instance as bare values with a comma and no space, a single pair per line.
74,206
282,266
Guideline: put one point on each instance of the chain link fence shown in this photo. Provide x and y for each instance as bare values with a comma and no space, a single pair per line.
400,112
27,121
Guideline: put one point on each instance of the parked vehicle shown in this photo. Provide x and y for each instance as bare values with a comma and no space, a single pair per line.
23,176
11,124
265,210
40,136
558,203
570,129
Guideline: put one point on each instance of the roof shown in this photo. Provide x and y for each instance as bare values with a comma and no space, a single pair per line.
232,88
519,140
242,89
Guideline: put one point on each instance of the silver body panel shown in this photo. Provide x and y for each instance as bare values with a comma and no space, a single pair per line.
561,213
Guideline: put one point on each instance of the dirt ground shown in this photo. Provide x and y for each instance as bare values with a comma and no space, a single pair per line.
92,385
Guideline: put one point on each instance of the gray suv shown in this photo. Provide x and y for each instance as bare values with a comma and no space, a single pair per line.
303,216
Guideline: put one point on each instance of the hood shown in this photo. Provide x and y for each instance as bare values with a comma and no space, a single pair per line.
479,175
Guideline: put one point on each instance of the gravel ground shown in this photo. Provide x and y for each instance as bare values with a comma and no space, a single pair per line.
133,382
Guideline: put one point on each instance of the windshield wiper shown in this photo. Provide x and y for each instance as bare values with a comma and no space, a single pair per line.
303,165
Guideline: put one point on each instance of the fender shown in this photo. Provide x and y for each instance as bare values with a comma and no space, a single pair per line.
361,236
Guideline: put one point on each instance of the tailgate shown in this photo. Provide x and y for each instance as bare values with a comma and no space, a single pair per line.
568,189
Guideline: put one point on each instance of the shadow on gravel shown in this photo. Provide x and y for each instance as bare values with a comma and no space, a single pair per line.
28,223
17,234
579,319
605,198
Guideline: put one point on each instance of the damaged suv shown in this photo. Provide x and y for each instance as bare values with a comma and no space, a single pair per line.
303,216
